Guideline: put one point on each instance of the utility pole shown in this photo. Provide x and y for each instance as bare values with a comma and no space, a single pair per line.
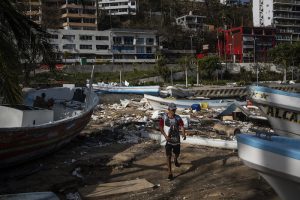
186,76
171,76
254,59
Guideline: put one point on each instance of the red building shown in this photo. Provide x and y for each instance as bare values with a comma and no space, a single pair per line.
245,44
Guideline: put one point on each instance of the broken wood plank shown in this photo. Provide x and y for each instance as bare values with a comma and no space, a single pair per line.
115,188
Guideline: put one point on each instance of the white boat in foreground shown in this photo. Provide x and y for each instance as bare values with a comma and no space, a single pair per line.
276,158
281,108
158,103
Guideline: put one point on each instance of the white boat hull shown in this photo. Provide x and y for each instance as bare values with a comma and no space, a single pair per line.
281,108
152,90
158,103
279,170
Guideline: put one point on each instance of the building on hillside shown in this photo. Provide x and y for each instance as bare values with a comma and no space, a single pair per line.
235,2
70,13
284,15
114,45
32,9
119,7
245,44
191,22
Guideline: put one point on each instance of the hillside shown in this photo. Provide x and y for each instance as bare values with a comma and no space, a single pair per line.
160,15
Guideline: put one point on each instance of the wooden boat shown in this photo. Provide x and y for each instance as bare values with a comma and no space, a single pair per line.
281,108
158,103
108,88
28,132
276,159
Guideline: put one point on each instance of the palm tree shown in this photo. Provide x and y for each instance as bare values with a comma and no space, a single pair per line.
22,41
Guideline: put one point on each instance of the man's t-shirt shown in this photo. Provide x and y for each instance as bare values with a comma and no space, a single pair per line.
172,127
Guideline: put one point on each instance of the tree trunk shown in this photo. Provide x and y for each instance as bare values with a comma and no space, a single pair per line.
284,75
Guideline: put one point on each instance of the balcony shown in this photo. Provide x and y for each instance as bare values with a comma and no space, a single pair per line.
287,2
292,17
73,15
79,24
77,6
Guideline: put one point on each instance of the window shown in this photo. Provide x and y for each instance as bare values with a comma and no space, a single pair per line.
117,40
83,46
149,41
140,50
128,40
85,37
68,37
140,41
148,50
101,47
89,28
53,36
88,20
101,37
69,46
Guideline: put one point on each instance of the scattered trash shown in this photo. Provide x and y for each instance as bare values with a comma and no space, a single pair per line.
73,196
76,172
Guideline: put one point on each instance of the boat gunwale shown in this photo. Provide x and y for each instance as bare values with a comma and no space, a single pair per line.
273,91
269,145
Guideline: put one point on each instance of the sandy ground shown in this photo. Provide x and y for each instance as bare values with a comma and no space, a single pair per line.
205,173
104,154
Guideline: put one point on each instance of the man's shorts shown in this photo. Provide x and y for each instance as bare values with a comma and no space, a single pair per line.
170,147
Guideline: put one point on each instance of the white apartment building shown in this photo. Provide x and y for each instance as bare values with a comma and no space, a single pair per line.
114,45
230,2
119,7
191,22
284,15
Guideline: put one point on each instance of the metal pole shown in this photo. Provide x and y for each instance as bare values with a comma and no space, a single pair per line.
232,46
120,77
254,59
186,78
197,75
171,76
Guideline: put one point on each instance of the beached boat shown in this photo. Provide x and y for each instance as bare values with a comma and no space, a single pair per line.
281,108
158,103
109,88
28,132
276,158
179,92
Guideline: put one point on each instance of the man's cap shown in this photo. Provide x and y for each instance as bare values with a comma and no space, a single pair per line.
172,106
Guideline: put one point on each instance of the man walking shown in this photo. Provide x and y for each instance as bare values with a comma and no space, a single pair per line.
170,125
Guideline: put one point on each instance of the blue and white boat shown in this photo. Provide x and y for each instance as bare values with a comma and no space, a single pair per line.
158,103
276,159
281,108
109,88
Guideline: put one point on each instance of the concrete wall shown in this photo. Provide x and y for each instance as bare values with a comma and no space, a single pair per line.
109,68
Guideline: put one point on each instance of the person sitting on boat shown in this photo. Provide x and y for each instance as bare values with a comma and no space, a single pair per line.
170,125
40,101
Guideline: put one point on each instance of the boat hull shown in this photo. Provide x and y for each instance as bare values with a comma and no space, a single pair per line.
151,90
158,103
21,144
277,160
281,108
18,145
